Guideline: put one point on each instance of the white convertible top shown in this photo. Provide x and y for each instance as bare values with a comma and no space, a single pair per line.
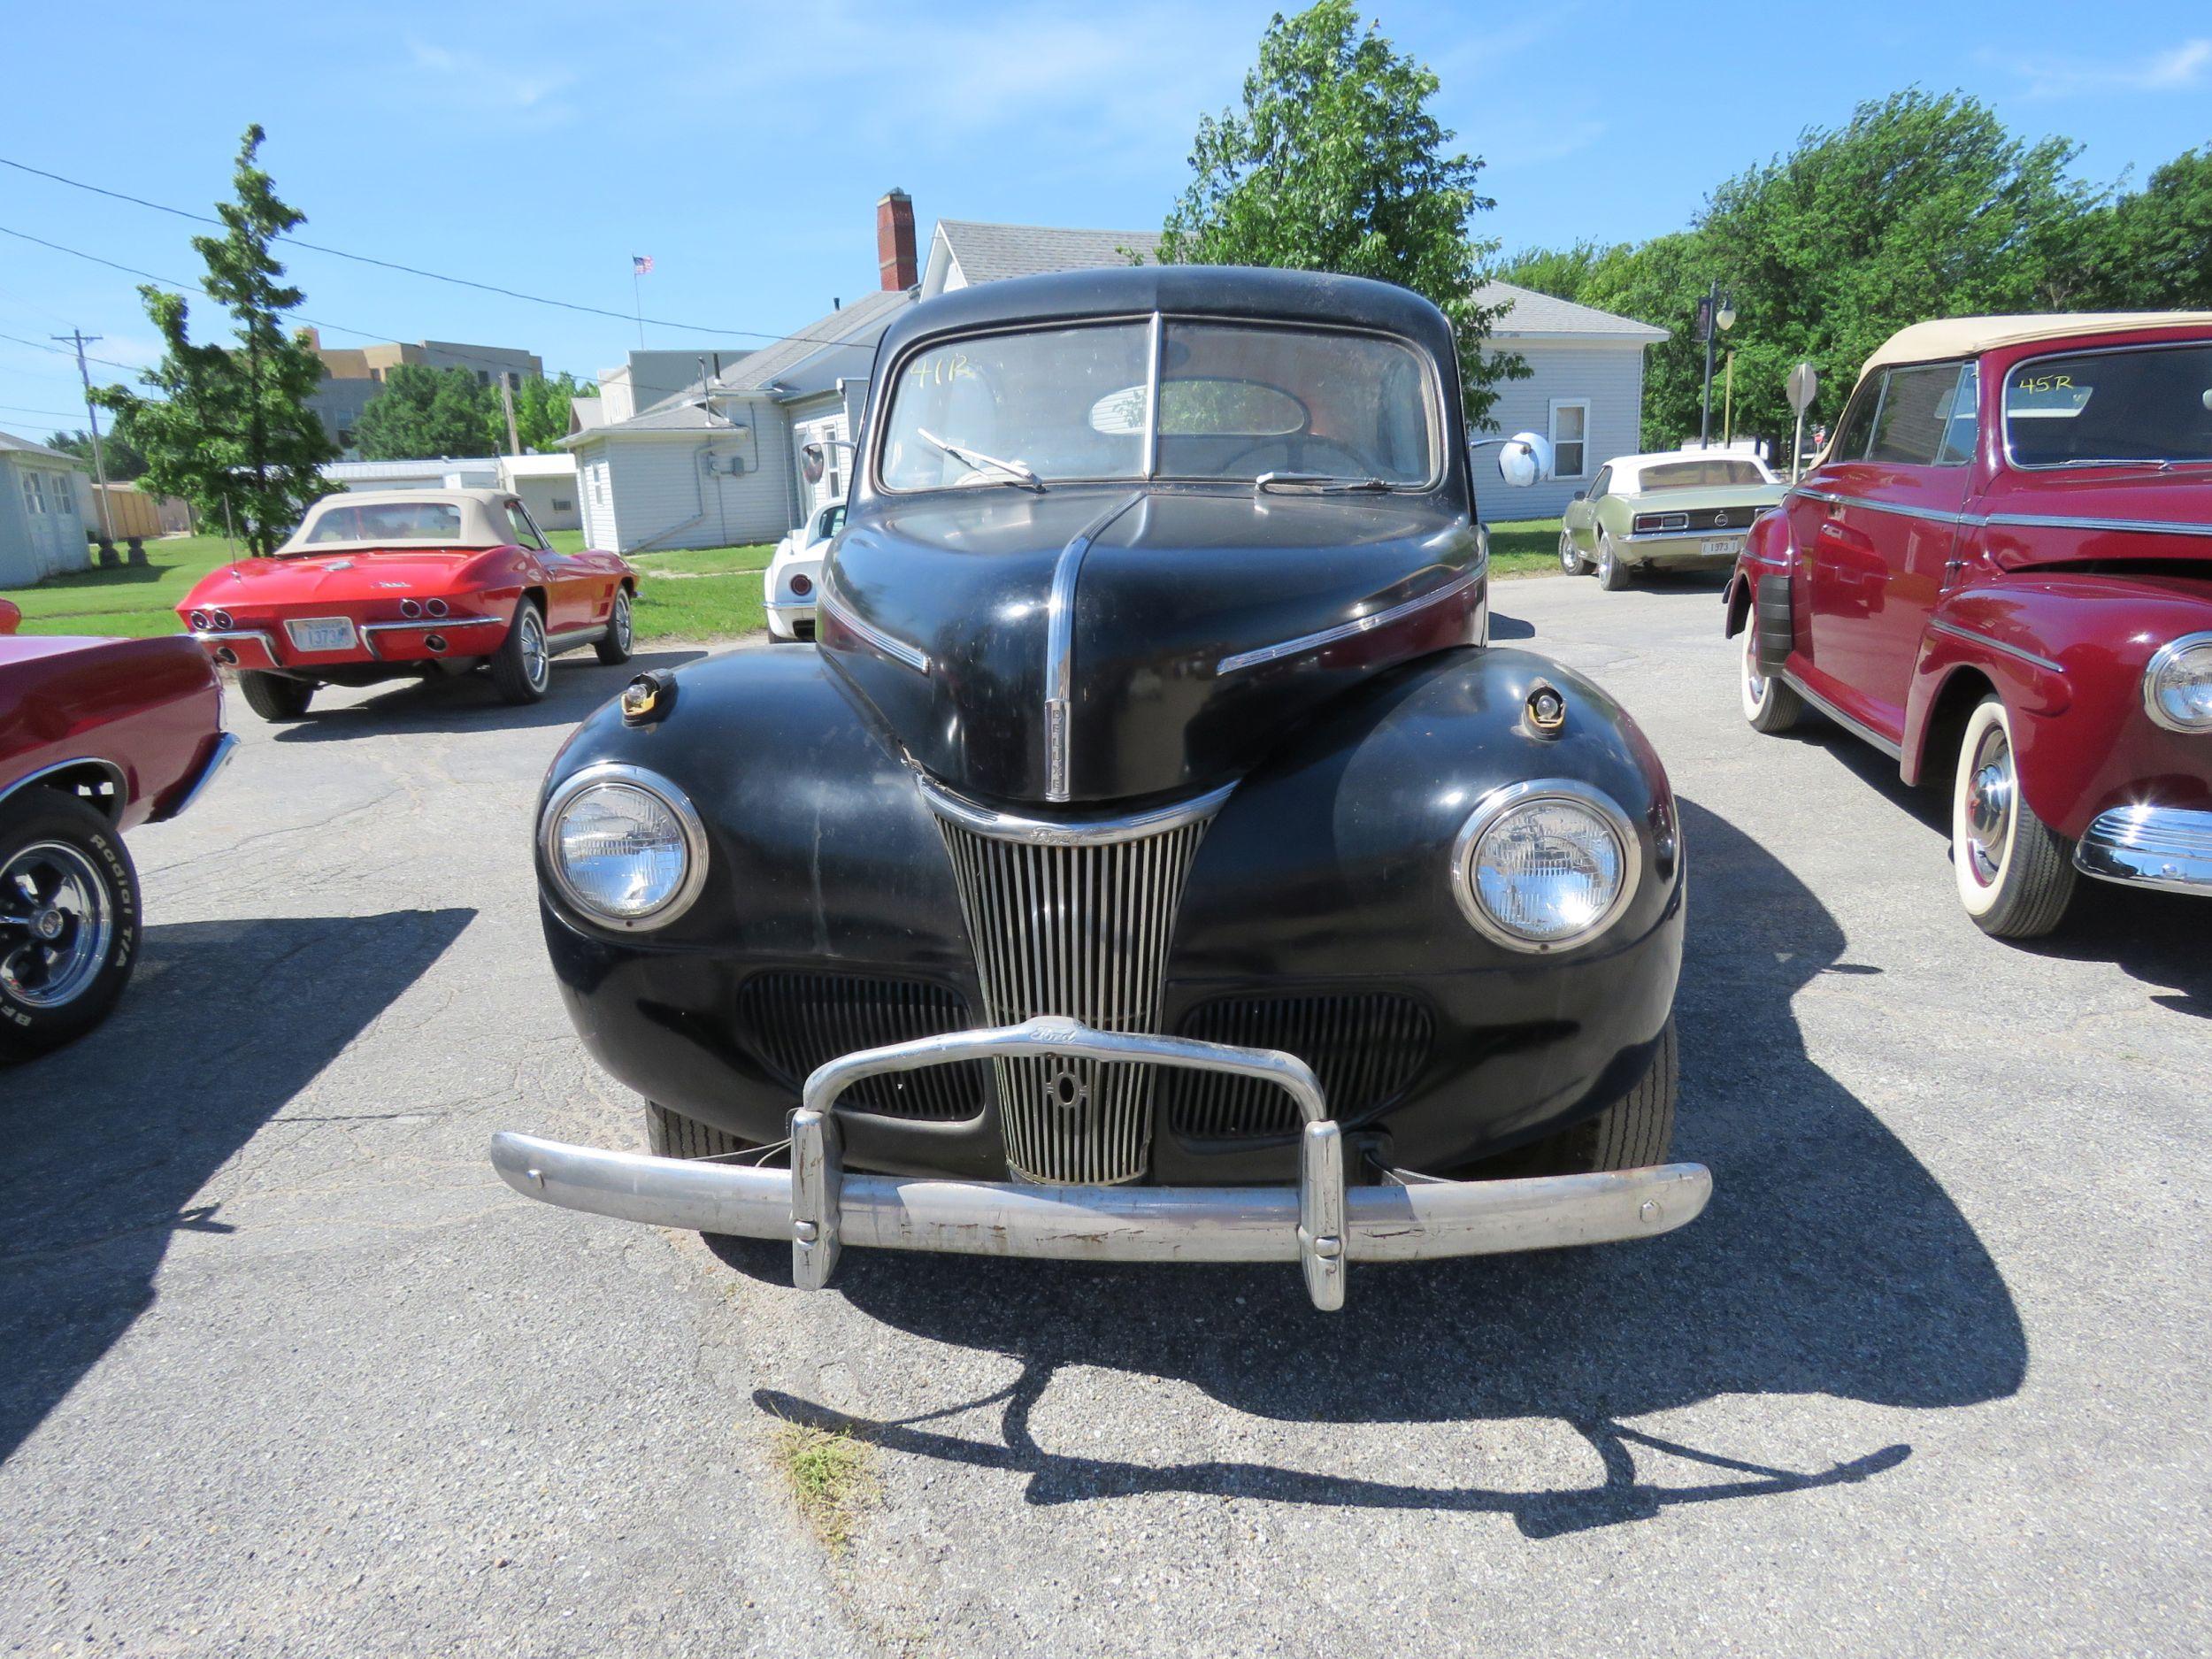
354,521
1630,467
1965,336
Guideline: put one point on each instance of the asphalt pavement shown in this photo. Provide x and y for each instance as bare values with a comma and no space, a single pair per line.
289,1371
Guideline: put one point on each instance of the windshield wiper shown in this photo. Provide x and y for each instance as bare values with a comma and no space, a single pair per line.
1322,483
976,461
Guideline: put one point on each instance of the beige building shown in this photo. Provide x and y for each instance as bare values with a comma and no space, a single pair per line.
353,375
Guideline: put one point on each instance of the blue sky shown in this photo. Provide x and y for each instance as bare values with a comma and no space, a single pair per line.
743,145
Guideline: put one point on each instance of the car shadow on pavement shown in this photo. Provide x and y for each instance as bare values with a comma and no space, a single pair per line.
110,1140
467,702
1830,1262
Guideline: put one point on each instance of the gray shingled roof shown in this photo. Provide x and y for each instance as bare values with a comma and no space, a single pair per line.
849,332
11,443
989,253
1534,313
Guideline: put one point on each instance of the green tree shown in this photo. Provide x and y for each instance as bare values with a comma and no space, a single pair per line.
1334,162
2152,250
1919,207
123,460
425,411
229,429
541,408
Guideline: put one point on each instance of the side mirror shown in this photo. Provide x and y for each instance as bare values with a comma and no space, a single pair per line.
1582,494
1526,458
813,463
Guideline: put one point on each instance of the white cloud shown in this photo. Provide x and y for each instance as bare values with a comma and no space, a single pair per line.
461,81
2176,68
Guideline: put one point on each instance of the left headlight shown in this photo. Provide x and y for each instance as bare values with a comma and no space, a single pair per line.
623,846
1544,865
2177,684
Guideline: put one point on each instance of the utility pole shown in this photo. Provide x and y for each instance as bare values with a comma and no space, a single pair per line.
507,397
78,338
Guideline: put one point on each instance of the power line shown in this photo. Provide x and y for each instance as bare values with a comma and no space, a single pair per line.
37,345
435,276
58,414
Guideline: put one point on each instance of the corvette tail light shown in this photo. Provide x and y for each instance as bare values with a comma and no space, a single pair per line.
198,620
802,585
435,607
408,608
222,619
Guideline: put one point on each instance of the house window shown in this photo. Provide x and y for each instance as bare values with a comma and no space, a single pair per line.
33,499
563,506
60,498
1570,436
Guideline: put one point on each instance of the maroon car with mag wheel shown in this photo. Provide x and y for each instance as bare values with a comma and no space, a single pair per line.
1999,572
96,737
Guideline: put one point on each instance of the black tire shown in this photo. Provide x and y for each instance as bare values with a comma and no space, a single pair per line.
2015,872
276,696
1571,559
670,1134
54,987
1613,569
522,670
616,646
1636,1130
1769,702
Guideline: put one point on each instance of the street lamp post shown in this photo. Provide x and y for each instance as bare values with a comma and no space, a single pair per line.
1716,314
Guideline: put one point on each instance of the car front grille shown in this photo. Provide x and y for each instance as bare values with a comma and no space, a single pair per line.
1365,1047
793,1021
1081,929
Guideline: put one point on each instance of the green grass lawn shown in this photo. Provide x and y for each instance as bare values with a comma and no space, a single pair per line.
698,593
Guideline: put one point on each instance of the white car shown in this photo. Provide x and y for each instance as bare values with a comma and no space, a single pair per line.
796,572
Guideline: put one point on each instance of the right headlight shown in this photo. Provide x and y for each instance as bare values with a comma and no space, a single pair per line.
2177,684
623,846
1544,865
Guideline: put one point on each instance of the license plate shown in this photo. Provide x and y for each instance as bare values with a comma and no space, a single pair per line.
1721,544
321,634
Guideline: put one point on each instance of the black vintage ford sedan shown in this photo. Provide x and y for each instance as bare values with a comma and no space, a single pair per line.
1150,860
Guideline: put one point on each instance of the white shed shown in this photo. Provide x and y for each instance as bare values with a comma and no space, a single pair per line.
547,484
1585,393
43,496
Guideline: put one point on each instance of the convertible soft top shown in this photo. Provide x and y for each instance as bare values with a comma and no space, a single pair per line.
358,520
1969,336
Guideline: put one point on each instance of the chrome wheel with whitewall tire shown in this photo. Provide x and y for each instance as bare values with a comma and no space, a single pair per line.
2015,873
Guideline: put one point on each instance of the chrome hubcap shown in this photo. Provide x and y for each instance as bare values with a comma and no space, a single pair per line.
1566,552
1991,791
56,923
1755,683
622,622
534,657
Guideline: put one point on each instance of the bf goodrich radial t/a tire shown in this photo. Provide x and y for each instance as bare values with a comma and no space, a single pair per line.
69,920
276,696
522,669
2016,874
1769,703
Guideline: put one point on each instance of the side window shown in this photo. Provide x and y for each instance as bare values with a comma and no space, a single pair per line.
1604,478
524,531
1916,403
1849,443
1570,436
1961,426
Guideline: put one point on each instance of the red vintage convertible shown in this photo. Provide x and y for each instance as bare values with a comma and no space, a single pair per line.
96,736
2000,570
400,584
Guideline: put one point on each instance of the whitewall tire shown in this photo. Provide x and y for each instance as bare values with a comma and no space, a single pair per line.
2015,873
1769,703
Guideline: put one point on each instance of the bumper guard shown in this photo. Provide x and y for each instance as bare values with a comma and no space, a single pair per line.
1319,1223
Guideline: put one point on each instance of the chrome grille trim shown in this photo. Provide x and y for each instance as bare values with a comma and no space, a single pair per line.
995,824
1076,924
795,1020
1366,1047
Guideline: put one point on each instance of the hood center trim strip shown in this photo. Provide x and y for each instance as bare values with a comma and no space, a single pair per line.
1060,645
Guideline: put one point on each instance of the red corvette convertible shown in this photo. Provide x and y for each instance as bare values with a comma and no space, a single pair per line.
96,736
408,584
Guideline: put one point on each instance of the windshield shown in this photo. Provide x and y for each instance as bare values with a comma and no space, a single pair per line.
1708,474
2104,407
1235,402
387,521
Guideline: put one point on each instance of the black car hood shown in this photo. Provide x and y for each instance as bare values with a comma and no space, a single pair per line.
939,611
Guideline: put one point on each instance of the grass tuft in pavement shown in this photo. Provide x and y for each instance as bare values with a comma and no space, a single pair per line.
829,1475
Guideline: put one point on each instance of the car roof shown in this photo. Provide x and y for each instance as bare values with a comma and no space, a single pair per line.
1969,336
1637,462
1231,292
482,524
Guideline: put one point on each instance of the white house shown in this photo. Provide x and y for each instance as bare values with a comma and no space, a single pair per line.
547,486
436,472
43,495
1585,393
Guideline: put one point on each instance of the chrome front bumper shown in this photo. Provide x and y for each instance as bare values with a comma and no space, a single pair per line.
2164,846
1319,1223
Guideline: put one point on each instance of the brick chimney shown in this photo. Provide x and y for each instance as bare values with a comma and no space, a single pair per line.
895,241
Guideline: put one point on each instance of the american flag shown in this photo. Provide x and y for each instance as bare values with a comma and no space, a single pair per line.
641,264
